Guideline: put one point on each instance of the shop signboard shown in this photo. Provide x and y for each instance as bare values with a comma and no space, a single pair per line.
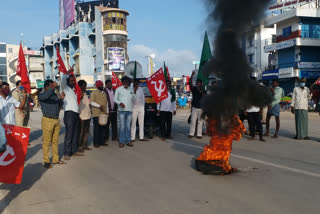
311,65
286,73
281,45
116,59
310,74
270,74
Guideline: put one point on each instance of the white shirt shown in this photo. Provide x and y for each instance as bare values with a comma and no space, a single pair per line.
167,105
300,98
71,100
125,96
84,108
139,100
7,110
253,109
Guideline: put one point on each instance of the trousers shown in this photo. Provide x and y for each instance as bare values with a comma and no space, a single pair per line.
71,122
165,123
196,116
84,134
137,114
50,133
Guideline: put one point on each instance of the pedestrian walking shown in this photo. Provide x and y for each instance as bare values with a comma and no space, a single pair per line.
113,115
50,106
254,115
166,109
196,111
85,118
71,116
22,116
124,98
8,104
274,108
299,107
138,112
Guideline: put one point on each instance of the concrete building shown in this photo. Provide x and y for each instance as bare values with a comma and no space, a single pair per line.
96,43
8,64
253,42
294,51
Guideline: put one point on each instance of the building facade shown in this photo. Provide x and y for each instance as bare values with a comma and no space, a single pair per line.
96,44
294,51
252,43
9,54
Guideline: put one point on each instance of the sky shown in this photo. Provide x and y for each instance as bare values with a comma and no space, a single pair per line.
173,30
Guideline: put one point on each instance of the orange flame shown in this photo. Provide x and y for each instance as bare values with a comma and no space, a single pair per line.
218,152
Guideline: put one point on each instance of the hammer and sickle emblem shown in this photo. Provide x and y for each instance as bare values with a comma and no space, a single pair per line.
161,87
9,151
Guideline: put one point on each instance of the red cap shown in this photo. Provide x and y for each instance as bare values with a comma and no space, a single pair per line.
99,83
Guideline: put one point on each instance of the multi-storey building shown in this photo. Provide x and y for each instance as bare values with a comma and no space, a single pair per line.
294,51
96,42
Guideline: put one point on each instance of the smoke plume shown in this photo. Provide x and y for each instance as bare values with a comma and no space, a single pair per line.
236,91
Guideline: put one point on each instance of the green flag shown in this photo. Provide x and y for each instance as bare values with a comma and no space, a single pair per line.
135,70
205,57
165,71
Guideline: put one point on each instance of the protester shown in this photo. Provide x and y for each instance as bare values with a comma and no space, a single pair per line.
8,104
196,111
71,116
166,108
50,105
85,118
124,97
99,107
299,106
3,139
138,112
112,109
22,116
254,115
274,109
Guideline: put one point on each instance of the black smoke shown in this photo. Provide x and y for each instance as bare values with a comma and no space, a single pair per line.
236,91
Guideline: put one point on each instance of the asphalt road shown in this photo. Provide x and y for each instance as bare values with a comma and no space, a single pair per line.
278,176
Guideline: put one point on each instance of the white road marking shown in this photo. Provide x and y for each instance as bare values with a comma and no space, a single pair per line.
299,171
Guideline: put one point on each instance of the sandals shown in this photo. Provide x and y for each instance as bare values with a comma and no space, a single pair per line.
47,165
59,163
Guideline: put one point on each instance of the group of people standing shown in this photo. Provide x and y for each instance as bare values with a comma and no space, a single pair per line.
299,107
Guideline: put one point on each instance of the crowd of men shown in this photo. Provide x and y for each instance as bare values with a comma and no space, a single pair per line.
127,103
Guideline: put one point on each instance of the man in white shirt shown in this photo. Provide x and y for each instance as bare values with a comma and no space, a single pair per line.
124,97
85,118
71,116
8,104
138,112
299,107
166,109
255,122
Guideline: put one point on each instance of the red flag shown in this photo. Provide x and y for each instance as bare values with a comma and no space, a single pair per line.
22,71
116,83
157,86
318,82
62,69
12,160
60,63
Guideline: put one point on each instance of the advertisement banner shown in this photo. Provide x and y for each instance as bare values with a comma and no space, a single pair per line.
67,13
157,86
116,59
310,74
12,160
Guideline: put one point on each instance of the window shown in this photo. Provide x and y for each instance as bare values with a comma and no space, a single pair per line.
250,39
10,50
250,59
286,32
